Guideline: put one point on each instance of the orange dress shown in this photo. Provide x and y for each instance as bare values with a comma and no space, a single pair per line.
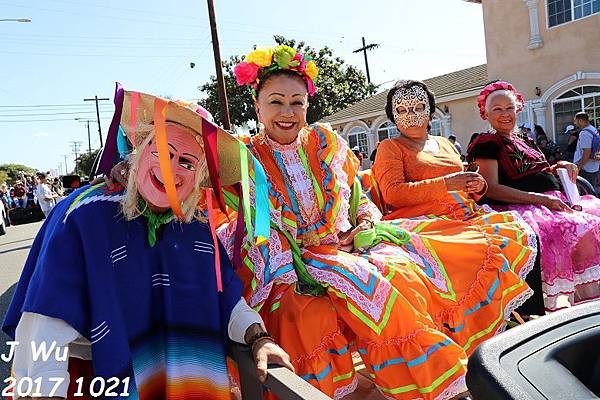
414,305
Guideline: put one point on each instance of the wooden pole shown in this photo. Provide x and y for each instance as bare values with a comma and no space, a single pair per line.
224,108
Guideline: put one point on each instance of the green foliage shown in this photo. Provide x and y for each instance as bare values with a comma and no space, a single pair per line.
338,85
85,162
10,172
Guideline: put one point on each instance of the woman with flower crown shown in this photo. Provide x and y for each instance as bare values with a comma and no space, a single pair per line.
332,280
521,180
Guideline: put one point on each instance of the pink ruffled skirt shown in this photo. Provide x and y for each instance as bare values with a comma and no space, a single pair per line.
569,246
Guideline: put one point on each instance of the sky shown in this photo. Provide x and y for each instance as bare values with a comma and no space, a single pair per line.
77,49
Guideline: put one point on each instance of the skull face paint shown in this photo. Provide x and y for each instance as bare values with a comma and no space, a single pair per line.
410,107
185,153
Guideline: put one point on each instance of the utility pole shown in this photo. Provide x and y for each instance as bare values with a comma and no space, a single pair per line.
96,99
225,120
87,122
75,148
66,168
364,49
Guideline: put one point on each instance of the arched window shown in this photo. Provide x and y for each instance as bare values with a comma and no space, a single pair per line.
436,127
387,131
357,136
583,98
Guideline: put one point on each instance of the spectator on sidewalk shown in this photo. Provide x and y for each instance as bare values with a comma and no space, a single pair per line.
20,194
573,133
588,163
46,198
526,131
5,194
452,139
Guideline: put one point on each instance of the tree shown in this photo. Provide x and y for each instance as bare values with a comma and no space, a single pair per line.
338,85
10,172
85,162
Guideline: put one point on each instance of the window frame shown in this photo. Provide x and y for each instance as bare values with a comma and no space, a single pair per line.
364,131
573,19
388,126
581,99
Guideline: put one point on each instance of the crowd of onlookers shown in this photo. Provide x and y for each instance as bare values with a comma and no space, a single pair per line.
29,190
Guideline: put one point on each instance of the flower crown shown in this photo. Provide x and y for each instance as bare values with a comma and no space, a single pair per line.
491,88
262,62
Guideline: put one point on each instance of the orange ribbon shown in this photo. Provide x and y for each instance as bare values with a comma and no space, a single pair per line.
164,155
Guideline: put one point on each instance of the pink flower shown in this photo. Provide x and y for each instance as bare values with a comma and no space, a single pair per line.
310,86
297,57
245,73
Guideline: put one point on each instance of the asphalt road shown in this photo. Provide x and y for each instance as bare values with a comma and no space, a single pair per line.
14,248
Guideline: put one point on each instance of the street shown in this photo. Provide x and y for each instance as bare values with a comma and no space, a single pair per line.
14,248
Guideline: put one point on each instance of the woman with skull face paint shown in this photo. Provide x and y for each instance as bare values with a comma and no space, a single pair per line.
333,279
419,175
131,278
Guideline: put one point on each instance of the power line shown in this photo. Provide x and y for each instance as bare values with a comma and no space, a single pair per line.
48,105
43,120
46,114
95,15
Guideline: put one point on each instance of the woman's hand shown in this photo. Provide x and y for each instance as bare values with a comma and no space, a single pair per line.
571,168
470,182
347,238
553,203
265,352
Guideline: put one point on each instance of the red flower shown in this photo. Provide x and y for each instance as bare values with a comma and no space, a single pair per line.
245,73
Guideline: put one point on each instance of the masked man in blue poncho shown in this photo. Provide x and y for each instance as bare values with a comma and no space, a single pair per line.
131,278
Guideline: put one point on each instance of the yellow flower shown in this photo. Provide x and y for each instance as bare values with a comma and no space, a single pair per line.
263,57
311,70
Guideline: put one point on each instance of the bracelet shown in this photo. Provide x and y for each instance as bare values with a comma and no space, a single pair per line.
258,341
257,337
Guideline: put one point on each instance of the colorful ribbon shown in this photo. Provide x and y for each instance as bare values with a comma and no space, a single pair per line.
212,223
164,155
110,146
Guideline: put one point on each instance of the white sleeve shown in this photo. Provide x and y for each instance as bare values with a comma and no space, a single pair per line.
36,329
242,316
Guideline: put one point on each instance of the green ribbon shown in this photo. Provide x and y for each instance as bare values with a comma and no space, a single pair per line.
380,232
154,221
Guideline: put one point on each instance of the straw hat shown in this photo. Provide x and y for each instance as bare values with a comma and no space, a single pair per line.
137,121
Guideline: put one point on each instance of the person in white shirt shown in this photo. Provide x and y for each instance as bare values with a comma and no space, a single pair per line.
46,197
586,162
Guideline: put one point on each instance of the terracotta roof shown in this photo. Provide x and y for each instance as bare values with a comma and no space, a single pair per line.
443,85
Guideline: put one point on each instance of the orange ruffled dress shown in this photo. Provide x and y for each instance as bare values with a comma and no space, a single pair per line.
406,183
414,305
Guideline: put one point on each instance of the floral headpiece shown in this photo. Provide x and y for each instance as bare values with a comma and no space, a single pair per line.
262,62
492,87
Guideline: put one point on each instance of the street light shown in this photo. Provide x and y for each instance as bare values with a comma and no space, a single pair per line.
15,20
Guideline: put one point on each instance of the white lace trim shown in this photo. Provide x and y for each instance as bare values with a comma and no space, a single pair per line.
512,306
531,238
566,286
342,221
346,390
370,211
457,387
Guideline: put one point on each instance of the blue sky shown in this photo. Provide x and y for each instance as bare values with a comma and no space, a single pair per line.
77,49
